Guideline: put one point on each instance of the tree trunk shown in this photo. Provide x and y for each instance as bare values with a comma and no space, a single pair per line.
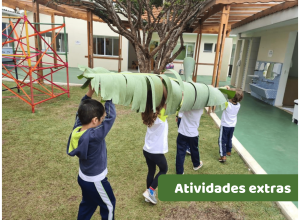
143,60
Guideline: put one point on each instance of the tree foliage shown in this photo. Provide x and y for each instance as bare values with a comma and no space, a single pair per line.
138,20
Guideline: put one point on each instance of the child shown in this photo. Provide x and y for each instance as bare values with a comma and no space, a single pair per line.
88,144
188,136
228,122
156,144
178,120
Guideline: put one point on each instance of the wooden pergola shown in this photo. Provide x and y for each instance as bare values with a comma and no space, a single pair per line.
47,7
215,17
220,16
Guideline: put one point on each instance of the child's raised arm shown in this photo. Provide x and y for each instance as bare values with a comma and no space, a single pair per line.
102,130
88,95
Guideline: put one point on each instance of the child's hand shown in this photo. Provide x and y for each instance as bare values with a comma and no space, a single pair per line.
227,87
176,119
91,91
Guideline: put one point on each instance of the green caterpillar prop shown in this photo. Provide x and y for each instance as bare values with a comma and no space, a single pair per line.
125,88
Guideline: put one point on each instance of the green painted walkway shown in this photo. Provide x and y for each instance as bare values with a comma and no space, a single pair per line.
269,136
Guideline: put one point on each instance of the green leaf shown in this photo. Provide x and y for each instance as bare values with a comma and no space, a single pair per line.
86,84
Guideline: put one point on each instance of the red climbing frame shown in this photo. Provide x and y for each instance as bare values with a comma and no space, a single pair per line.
23,60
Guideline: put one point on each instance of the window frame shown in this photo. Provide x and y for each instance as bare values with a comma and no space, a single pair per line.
206,51
58,34
186,50
104,37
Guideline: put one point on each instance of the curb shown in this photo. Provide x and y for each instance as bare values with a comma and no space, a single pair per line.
288,209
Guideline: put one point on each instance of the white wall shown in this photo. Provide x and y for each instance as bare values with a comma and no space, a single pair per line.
206,57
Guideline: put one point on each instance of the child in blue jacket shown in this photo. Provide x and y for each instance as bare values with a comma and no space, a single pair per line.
88,144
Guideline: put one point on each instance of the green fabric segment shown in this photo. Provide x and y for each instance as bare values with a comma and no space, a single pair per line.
230,94
86,84
144,94
153,93
75,138
216,98
176,96
124,88
179,79
130,85
168,85
158,88
162,115
189,66
202,95
137,96
188,97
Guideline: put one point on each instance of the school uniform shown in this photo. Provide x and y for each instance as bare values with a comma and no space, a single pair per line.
228,123
156,145
90,147
188,135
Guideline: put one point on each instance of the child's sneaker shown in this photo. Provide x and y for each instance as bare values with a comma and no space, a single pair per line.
188,151
150,197
197,168
222,159
147,200
228,153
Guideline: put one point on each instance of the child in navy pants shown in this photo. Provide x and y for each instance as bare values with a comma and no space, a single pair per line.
88,144
228,122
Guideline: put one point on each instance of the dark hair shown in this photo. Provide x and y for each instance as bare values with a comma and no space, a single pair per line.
149,116
239,95
90,109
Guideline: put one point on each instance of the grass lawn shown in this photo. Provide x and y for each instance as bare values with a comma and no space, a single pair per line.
39,180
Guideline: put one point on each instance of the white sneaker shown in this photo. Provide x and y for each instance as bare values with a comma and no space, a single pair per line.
197,168
150,197
147,200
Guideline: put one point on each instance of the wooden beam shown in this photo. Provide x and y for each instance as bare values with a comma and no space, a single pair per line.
197,52
67,10
274,9
220,45
215,23
211,12
54,42
37,39
248,9
105,58
252,5
28,7
120,54
90,38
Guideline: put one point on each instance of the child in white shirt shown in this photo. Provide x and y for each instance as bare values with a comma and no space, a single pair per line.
156,144
228,122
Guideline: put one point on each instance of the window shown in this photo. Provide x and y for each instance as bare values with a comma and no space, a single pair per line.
60,42
208,47
106,46
6,32
188,52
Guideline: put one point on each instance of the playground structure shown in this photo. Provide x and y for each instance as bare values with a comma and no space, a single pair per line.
21,61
